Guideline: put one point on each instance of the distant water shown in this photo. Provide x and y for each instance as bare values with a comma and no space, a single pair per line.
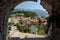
33,28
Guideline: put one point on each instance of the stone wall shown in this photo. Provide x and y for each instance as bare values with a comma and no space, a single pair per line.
55,17
47,6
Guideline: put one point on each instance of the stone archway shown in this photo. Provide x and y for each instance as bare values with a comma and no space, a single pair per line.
7,5
54,19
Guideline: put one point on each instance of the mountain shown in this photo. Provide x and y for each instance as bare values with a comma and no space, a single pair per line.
39,12
42,13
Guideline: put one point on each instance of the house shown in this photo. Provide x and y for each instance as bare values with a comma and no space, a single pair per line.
33,20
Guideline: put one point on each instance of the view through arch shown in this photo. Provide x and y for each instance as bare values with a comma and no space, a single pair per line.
28,18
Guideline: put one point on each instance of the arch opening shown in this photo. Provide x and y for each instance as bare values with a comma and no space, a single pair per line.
28,19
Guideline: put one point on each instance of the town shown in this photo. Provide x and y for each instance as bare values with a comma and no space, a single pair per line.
28,24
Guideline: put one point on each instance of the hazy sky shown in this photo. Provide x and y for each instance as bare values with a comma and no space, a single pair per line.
30,5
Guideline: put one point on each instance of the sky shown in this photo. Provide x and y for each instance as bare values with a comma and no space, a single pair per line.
31,6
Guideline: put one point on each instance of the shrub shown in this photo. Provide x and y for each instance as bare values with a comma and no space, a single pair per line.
18,25
26,30
11,23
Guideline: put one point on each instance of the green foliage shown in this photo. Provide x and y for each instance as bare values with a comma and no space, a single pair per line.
38,26
29,14
41,30
26,13
39,22
11,23
13,12
9,28
26,30
18,25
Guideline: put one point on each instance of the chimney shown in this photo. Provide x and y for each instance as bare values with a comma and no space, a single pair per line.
38,1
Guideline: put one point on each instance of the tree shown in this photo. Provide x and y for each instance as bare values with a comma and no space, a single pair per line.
26,13
18,25
10,23
29,14
26,29
39,21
